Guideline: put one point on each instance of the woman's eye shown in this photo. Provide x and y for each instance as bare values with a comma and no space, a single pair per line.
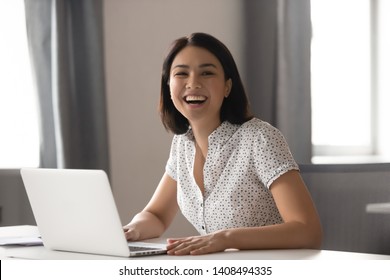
180,74
207,73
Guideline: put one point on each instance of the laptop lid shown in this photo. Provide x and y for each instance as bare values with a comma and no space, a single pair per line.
75,211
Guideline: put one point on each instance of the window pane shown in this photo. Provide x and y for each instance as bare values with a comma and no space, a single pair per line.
19,141
341,110
383,78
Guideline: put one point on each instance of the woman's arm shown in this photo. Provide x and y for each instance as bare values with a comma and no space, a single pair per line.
158,213
301,227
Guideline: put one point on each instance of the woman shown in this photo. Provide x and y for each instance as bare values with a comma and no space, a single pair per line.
232,175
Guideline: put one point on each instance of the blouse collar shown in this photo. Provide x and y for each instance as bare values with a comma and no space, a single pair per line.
219,136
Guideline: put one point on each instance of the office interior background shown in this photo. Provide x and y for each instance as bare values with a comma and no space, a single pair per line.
326,91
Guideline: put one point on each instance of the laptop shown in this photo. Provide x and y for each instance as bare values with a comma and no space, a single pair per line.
75,211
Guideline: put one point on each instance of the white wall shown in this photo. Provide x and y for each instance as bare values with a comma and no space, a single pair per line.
137,36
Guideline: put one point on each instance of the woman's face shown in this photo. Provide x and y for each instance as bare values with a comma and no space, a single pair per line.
197,84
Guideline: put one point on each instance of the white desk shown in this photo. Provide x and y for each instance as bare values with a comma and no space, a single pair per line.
40,253
383,208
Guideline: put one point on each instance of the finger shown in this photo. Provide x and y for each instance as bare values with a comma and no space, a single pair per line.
201,251
185,247
177,243
178,251
132,235
173,240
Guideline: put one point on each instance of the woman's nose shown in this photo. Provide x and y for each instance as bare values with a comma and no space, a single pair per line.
193,83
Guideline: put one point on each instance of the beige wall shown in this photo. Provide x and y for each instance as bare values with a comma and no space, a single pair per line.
137,35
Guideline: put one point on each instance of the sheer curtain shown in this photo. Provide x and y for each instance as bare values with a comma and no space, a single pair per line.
66,47
278,35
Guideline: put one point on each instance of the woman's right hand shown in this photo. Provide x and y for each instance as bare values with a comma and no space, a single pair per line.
158,214
131,233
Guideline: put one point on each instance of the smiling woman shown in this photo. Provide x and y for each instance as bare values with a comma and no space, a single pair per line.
235,109
19,141
230,174
198,85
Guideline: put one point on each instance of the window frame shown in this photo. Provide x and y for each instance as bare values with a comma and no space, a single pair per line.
370,152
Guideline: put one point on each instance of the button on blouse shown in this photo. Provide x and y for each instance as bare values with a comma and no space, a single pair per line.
241,164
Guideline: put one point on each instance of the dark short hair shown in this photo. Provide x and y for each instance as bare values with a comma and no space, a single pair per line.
235,108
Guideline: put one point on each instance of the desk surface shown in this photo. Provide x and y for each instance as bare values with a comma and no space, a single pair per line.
40,253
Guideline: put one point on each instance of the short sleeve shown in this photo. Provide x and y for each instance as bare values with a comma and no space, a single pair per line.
272,155
171,166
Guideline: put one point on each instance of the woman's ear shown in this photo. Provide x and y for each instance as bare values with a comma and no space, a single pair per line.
228,87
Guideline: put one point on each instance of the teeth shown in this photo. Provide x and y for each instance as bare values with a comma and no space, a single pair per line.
195,98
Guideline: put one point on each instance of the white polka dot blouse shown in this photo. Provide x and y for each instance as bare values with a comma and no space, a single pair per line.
241,164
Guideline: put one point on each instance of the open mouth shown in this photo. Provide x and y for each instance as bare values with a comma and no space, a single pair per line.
195,99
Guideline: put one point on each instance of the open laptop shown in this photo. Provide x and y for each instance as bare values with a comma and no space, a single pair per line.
75,211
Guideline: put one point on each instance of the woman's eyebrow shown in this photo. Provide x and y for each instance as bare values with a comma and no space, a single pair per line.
200,66
180,66
207,65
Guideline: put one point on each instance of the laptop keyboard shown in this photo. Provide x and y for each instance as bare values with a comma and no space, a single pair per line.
138,248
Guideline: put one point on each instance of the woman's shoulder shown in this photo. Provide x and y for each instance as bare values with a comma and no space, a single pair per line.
181,139
256,125
262,131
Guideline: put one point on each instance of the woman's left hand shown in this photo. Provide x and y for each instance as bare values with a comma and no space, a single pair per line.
198,245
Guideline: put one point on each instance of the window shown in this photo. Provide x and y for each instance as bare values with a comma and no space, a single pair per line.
348,65
383,82
19,141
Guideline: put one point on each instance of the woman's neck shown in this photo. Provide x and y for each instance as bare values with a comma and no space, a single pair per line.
201,133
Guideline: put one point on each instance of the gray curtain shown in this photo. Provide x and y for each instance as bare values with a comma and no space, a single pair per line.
66,46
277,51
